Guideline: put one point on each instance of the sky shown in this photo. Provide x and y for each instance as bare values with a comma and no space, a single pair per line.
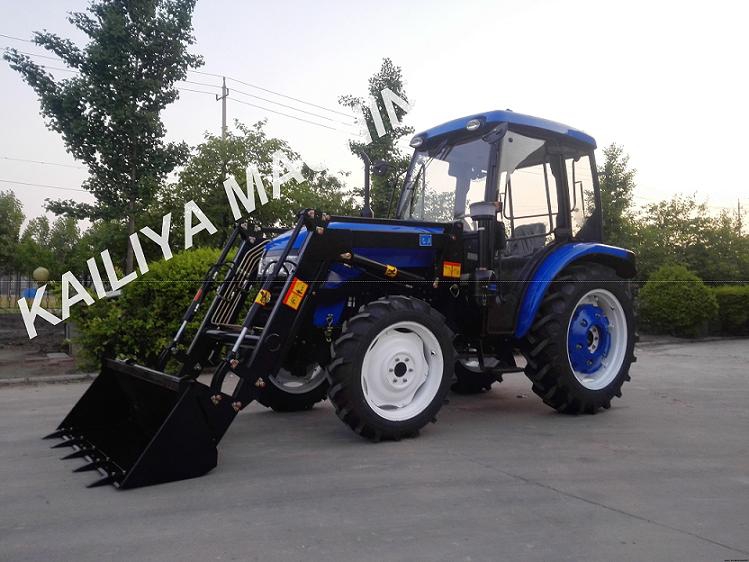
667,80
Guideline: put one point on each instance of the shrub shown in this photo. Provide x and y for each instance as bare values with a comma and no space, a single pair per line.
141,321
733,308
674,301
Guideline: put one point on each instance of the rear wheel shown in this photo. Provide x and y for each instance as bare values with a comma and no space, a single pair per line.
294,390
391,368
470,379
581,344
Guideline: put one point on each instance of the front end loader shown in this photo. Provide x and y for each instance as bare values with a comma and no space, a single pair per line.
492,264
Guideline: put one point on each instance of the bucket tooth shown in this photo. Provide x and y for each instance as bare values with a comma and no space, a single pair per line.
68,443
95,465
80,453
57,434
110,479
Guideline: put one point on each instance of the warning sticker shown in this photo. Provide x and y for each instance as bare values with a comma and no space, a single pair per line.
391,271
451,269
295,294
263,297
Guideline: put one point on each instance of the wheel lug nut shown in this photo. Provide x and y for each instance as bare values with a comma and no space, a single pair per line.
579,346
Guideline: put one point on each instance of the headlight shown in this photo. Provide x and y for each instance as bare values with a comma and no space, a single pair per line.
268,262
473,124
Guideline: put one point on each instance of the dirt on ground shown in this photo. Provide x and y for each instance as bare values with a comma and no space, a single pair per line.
20,356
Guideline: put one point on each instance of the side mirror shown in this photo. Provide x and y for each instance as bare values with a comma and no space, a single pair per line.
381,168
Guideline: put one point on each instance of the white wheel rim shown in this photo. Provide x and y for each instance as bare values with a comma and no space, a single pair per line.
596,361
402,371
314,377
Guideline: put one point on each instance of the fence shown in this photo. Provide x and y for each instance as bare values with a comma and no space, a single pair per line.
14,286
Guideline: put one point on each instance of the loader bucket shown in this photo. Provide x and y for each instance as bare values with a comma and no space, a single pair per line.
138,427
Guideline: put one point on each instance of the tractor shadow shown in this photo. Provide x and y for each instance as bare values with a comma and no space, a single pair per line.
511,402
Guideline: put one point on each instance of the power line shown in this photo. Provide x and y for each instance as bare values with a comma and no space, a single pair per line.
291,107
46,67
209,86
248,84
213,74
35,55
16,38
291,116
288,97
184,89
195,91
42,162
201,83
43,185
235,90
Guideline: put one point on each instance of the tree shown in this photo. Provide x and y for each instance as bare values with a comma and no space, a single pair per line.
682,230
33,248
202,181
385,147
64,243
108,234
11,219
617,181
57,248
109,112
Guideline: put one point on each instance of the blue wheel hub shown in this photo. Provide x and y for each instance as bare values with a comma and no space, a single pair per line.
588,338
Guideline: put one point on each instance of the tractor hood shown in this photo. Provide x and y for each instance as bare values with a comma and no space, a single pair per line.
419,256
277,244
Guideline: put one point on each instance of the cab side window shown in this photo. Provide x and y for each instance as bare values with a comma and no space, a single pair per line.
530,209
582,194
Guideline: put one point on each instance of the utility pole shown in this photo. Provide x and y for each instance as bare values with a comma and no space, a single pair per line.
222,97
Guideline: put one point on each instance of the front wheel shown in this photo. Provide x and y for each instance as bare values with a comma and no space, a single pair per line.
391,368
581,344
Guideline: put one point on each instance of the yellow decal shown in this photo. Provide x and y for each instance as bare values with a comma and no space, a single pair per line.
391,271
263,297
295,294
451,269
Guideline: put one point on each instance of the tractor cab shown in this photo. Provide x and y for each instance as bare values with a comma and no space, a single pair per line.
521,186
539,175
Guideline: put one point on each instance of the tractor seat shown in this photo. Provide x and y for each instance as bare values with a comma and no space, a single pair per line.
527,239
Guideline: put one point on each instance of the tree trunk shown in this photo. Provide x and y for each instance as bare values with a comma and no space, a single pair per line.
130,230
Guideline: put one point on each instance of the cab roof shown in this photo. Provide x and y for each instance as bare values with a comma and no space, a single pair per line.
491,118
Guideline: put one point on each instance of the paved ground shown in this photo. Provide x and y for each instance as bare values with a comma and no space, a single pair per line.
663,475
23,358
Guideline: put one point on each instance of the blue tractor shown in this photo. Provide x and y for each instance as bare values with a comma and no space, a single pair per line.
492,262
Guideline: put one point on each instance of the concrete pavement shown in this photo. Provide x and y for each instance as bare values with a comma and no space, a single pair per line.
663,475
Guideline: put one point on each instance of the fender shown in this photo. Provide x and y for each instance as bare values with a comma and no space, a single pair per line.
622,260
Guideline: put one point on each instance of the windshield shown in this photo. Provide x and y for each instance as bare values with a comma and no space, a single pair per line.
442,182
